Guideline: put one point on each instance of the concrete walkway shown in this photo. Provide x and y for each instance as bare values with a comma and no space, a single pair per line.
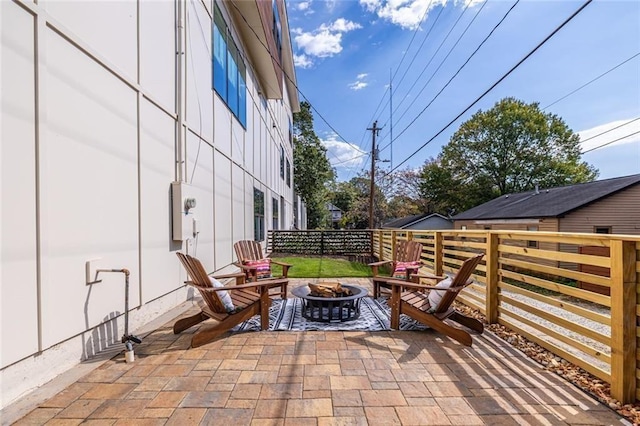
321,378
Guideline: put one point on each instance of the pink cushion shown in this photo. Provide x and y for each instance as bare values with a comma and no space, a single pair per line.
401,269
263,267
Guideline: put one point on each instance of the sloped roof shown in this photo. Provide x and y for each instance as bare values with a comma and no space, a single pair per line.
408,220
552,202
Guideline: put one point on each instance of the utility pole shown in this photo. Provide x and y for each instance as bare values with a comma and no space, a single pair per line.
374,153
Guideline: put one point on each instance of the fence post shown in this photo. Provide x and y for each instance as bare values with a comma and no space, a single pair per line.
623,320
491,259
393,244
437,254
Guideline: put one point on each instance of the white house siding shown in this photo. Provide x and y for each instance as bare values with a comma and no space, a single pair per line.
89,150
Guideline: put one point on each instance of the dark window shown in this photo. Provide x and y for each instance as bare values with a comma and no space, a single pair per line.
288,173
258,215
281,161
290,133
602,229
229,70
277,28
532,244
275,213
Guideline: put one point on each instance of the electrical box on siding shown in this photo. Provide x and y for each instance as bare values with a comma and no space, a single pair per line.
183,205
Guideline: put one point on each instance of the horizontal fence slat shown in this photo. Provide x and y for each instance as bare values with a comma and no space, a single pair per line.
593,352
561,272
559,288
556,255
599,373
586,313
555,319
561,239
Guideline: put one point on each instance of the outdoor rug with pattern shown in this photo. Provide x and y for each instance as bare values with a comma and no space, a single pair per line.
286,315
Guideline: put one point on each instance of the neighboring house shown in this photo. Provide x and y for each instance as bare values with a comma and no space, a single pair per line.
610,206
429,221
336,215
111,110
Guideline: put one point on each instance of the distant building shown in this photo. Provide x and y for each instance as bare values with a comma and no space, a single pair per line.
336,215
428,221
610,206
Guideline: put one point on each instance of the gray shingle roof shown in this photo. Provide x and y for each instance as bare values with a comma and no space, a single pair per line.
552,202
408,220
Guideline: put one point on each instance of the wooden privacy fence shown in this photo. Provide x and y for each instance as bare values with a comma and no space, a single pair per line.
540,284
321,242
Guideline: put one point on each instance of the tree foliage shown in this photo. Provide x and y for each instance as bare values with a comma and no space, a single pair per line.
507,149
312,170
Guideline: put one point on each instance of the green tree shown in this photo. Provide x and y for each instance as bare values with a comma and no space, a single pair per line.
312,170
508,149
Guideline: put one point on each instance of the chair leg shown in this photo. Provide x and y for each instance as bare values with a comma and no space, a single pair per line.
438,325
469,322
283,294
376,289
188,322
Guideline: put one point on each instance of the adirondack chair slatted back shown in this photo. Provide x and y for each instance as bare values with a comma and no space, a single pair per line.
200,277
407,251
248,250
459,282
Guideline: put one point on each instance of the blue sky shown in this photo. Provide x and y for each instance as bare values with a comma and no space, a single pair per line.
347,50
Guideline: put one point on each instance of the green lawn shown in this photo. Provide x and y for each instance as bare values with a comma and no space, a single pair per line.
322,267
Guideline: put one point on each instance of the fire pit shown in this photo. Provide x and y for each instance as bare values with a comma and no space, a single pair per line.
329,309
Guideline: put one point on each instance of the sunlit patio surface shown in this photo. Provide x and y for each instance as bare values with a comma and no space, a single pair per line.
317,378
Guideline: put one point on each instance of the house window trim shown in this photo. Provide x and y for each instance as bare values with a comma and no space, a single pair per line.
231,50
609,230
258,216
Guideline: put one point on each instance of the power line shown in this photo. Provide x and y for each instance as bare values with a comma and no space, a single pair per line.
591,81
276,61
610,142
460,69
520,62
610,130
416,96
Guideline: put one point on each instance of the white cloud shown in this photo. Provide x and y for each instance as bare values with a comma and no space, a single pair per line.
408,13
325,41
302,61
595,139
359,83
342,154
303,5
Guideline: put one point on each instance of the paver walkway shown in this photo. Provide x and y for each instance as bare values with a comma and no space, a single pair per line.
322,378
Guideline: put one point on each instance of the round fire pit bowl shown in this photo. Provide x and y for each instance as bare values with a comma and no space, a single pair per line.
331,309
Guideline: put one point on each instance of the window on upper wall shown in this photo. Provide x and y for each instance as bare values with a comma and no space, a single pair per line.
275,213
229,70
277,28
288,173
290,133
602,229
281,161
258,215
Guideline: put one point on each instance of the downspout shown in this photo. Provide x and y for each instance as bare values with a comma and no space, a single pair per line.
180,61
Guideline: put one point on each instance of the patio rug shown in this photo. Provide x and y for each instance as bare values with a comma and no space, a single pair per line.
286,315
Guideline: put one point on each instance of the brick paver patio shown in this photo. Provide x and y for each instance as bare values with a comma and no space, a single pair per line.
321,378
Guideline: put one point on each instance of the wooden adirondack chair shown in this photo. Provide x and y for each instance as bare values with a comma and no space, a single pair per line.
404,252
250,257
247,303
412,299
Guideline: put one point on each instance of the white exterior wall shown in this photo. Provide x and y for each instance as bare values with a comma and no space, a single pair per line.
89,127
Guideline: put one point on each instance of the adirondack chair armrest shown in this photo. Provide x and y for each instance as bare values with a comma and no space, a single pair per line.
380,263
239,277
288,265
376,265
234,287
428,276
409,284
